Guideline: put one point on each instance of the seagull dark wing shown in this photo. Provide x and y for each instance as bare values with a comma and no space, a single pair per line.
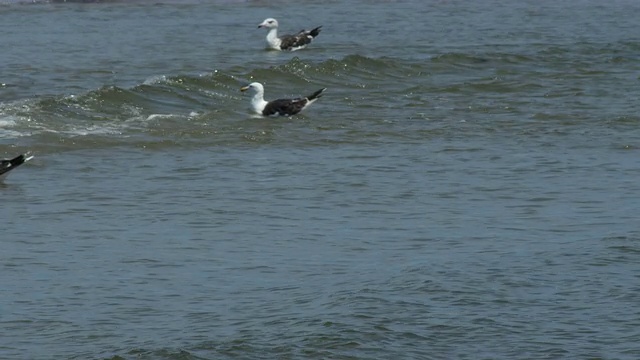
302,38
284,107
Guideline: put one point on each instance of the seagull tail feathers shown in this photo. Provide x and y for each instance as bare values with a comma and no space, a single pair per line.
20,159
315,31
10,164
316,95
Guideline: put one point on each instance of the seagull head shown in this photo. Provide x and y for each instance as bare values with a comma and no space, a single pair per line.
256,87
269,23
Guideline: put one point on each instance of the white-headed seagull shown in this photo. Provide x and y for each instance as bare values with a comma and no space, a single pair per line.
282,107
287,42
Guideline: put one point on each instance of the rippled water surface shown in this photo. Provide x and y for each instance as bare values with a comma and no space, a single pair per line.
467,188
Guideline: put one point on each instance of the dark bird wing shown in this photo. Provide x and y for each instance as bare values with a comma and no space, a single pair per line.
284,107
288,107
302,38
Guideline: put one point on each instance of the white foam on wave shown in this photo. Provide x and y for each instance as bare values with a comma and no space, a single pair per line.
161,117
11,134
93,130
7,121
155,79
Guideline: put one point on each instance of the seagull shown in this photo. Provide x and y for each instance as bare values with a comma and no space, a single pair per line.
282,107
287,42
7,165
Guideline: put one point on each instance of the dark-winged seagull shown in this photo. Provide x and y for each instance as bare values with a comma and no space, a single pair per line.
282,107
7,165
287,42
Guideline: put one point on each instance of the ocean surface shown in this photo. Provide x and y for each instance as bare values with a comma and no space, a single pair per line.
467,188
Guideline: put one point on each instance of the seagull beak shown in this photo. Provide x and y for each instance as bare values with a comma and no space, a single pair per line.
244,88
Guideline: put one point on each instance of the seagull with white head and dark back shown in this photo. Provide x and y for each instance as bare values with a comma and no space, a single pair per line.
287,42
6,165
282,107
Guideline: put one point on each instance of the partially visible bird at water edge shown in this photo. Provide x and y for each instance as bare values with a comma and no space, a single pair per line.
7,165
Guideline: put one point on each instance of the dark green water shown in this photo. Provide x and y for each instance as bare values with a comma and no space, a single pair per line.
467,188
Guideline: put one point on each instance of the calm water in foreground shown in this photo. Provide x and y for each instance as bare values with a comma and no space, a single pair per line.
466,189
